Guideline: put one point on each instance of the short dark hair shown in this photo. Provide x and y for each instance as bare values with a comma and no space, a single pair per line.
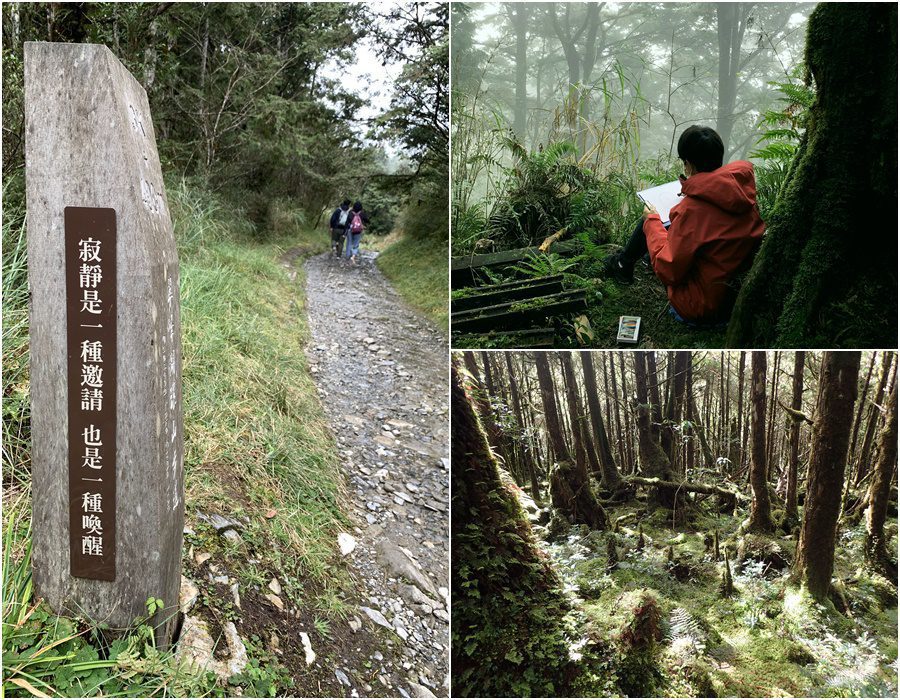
357,206
702,147
345,203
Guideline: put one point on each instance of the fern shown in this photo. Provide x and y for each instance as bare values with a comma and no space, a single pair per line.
685,634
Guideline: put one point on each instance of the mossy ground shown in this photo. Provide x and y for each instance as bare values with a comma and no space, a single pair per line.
769,639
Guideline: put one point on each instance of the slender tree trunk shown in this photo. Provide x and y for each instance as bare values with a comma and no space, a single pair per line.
527,456
520,25
740,415
879,493
760,508
860,406
862,462
794,458
483,403
609,472
654,462
814,561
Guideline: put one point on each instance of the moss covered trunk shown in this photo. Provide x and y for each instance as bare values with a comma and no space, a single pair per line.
760,506
879,492
508,606
831,438
826,275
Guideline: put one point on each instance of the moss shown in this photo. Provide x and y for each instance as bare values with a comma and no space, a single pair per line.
816,281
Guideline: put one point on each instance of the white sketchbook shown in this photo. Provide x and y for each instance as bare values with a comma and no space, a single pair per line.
663,197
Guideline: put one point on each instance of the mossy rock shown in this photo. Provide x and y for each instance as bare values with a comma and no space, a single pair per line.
752,547
558,527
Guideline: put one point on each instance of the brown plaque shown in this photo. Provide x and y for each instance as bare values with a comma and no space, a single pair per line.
91,346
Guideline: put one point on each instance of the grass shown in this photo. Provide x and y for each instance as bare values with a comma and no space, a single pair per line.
418,269
257,445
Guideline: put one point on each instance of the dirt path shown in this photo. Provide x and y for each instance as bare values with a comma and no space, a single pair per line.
381,372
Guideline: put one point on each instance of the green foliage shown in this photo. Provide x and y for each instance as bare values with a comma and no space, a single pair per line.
784,129
417,267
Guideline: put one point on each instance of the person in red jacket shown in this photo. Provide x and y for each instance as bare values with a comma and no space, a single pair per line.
712,236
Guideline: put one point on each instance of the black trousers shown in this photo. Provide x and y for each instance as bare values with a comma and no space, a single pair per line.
636,248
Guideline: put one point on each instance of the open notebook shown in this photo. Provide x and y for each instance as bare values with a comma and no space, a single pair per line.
663,197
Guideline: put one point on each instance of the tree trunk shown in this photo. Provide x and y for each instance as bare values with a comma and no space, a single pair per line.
654,462
610,474
740,416
571,391
527,456
760,508
814,561
516,588
862,461
569,488
520,110
483,402
879,493
794,458
814,283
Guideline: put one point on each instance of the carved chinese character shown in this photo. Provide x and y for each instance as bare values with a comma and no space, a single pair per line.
92,458
91,399
92,503
89,276
92,524
90,301
92,545
89,250
92,436
91,375
91,351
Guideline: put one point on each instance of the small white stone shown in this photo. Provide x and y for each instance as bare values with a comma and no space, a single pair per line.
347,543
307,648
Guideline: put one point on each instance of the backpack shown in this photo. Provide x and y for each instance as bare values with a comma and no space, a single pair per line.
342,219
356,225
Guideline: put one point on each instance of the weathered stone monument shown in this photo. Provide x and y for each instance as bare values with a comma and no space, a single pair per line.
108,495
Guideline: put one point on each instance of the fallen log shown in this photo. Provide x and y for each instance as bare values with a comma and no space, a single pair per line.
686,486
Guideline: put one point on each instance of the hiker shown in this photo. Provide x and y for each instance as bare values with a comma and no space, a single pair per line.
358,221
340,221
712,238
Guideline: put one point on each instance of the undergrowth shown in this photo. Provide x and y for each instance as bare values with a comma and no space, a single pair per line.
768,639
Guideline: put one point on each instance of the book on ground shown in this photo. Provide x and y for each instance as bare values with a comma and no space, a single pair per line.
663,197
629,327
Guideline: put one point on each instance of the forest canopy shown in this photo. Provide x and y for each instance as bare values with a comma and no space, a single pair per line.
251,98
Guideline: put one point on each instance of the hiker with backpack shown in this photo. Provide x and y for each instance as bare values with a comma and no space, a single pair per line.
339,223
357,223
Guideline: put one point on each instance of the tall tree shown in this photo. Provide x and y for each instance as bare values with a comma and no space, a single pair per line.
879,492
790,506
513,591
607,461
526,452
814,561
760,508
813,283
654,461
569,488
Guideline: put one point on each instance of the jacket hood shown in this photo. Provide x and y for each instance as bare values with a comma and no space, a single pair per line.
732,188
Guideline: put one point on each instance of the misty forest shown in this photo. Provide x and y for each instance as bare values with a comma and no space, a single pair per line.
681,524
562,112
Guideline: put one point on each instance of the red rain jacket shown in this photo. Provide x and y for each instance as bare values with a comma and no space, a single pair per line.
713,234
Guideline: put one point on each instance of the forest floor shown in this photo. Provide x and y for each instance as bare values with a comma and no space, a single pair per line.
767,640
645,297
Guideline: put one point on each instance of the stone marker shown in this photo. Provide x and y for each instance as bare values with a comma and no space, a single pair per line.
105,343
